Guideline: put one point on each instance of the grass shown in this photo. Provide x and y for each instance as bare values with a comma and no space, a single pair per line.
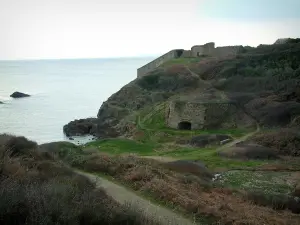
181,61
211,159
258,181
153,119
154,138
120,146
208,156
195,195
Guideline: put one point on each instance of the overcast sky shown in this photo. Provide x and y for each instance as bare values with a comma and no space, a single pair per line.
37,29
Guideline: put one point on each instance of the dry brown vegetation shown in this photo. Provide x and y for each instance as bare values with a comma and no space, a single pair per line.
285,141
191,193
35,188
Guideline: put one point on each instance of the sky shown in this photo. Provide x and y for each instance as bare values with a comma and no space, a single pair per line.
55,29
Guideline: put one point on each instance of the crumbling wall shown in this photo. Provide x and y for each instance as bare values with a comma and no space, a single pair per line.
142,71
202,115
200,50
187,54
227,51
207,49
180,111
197,50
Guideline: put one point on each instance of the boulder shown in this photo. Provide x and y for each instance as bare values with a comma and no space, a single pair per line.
1,102
249,151
19,95
209,139
90,126
80,127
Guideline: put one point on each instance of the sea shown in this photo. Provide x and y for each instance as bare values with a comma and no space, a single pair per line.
61,91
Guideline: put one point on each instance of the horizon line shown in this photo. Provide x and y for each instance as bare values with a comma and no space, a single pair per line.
79,58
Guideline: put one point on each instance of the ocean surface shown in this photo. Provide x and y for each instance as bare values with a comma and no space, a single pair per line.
61,91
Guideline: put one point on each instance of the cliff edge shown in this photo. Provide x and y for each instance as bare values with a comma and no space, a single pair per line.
261,83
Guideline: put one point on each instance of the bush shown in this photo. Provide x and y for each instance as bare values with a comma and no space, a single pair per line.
59,201
277,202
36,189
169,80
284,141
18,145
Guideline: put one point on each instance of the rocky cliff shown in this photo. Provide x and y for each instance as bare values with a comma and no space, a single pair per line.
264,82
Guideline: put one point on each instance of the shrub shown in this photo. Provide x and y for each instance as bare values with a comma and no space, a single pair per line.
284,141
36,189
19,145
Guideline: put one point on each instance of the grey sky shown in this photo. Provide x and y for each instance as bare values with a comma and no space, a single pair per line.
251,10
34,29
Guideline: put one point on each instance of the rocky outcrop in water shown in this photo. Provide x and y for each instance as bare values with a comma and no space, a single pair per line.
80,127
89,126
19,95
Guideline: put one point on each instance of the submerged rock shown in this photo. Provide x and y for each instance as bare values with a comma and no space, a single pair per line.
19,95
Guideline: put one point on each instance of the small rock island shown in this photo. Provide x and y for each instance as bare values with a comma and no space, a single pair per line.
19,95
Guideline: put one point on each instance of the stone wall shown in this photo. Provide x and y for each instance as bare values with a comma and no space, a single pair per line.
205,115
226,51
187,54
158,61
207,49
200,50
185,112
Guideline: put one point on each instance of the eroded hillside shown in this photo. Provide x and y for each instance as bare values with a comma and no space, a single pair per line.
262,81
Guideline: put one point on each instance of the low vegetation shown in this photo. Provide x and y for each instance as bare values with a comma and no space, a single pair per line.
186,186
284,141
36,188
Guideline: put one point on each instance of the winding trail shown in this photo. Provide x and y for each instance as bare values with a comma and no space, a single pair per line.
124,196
225,146
245,137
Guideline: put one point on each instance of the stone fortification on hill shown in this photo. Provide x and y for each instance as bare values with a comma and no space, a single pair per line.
207,49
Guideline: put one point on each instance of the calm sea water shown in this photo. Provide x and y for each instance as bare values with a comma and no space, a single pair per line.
62,90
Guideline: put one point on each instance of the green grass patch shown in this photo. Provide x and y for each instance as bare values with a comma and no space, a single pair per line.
182,61
153,119
210,158
119,146
259,181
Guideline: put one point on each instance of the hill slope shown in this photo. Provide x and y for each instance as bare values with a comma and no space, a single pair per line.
263,81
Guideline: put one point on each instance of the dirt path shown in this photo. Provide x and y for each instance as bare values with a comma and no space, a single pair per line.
232,143
123,195
228,145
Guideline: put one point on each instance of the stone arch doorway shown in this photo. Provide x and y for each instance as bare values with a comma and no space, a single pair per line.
184,125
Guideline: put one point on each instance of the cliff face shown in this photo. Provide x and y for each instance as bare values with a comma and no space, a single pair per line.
262,81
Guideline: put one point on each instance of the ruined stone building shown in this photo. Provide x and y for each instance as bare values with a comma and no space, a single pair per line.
205,115
207,49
